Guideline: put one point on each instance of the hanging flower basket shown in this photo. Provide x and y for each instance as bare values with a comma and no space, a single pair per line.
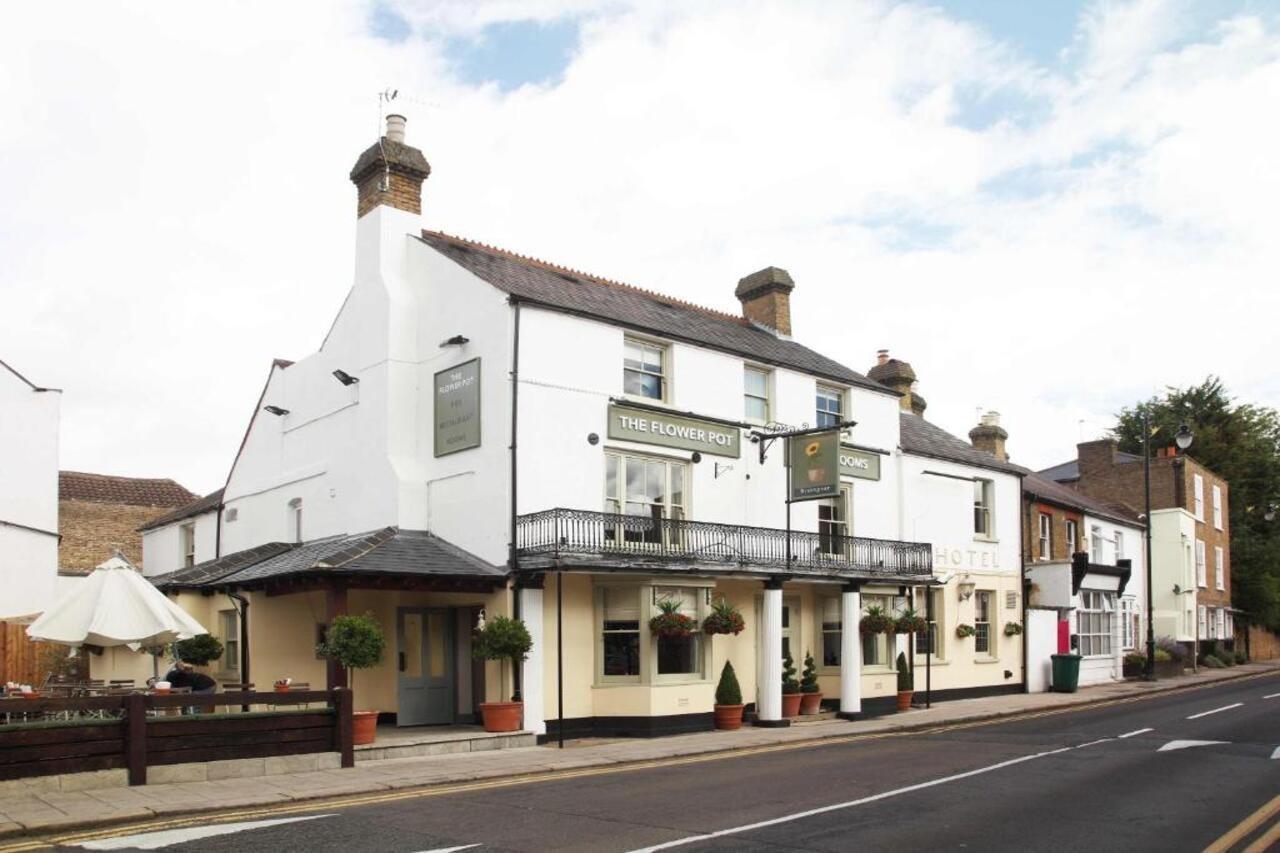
875,621
724,619
1012,629
910,622
671,624
963,631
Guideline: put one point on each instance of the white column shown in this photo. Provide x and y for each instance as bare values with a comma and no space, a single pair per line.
850,652
532,682
770,687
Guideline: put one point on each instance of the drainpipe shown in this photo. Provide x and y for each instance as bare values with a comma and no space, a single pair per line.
515,421
1026,585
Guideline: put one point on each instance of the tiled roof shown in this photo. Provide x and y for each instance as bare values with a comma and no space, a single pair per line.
208,503
923,438
389,551
1044,489
568,290
103,488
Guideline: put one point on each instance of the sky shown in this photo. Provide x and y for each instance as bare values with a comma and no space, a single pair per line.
1050,209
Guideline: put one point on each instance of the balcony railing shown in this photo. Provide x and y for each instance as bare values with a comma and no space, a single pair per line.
639,539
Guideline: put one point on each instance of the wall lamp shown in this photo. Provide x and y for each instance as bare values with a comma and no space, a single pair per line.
965,589
455,341
276,410
345,378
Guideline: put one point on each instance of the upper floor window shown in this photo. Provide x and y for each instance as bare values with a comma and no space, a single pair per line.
983,503
1095,544
755,394
187,538
644,369
1119,540
1201,573
1046,536
652,489
1219,570
830,406
1199,496
1073,536
833,523
295,519
1217,507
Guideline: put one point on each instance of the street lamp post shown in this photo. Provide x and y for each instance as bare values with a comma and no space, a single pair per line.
1183,438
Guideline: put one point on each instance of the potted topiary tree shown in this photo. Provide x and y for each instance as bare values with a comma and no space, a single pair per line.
728,707
502,639
791,694
355,642
810,693
906,683
200,650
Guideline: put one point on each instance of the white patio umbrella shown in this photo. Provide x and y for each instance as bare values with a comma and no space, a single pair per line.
114,606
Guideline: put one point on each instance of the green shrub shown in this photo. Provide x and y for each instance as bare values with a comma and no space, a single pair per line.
1241,657
789,682
354,642
963,631
906,680
1172,647
1135,660
502,639
1212,662
727,691
809,680
1163,656
200,650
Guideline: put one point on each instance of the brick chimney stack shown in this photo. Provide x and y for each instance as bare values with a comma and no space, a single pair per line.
990,436
766,298
898,376
390,172
1096,459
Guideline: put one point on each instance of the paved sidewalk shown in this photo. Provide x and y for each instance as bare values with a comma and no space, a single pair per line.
55,811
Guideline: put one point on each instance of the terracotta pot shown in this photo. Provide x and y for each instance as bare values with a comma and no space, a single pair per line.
364,726
502,716
163,691
791,704
810,703
904,699
729,717
282,688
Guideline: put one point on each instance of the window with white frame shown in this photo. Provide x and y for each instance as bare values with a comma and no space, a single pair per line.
1219,570
1093,621
876,647
187,540
647,490
1217,506
1073,536
1198,482
229,623
1118,538
1095,544
627,652
931,641
295,519
983,506
1222,624
831,628
1046,536
1229,625
679,655
830,406
833,523
619,608
1201,627
1128,623
644,369
755,394
984,638
1202,579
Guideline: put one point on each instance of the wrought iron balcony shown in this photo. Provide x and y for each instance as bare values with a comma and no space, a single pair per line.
580,537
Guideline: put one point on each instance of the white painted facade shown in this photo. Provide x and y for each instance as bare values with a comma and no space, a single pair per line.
165,548
29,418
1173,536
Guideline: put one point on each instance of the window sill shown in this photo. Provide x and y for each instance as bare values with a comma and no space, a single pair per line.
989,540
606,685
920,661
986,660
878,670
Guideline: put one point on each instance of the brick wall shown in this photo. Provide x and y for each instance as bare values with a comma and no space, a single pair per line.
1058,524
91,531
404,193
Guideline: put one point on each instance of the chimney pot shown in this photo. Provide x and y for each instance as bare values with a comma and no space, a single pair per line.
395,128
882,356
390,172
988,435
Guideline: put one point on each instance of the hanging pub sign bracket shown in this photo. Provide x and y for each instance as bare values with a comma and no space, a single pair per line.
765,439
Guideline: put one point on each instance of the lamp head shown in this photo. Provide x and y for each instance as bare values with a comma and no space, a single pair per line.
1270,514
345,378
1183,437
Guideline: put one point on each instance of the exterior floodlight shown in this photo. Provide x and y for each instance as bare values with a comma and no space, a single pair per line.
456,341
276,410
345,378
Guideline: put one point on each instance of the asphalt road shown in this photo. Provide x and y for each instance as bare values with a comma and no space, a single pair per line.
1103,779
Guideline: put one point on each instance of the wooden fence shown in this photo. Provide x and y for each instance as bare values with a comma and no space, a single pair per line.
19,656
134,731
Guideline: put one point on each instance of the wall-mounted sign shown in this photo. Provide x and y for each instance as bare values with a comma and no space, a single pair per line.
457,408
814,464
650,427
859,463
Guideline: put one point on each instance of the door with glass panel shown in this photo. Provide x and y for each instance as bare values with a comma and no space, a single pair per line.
646,493
425,641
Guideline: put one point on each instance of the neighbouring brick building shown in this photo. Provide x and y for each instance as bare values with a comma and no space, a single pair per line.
1190,531
98,513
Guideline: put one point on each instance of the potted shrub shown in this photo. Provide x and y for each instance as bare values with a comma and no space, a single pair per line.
791,694
965,631
728,707
875,621
906,683
355,642
910,622
810,694
723,619
670,623
505,640
1012,629
200,650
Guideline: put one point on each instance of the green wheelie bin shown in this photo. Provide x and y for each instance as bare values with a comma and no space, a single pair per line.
1066,673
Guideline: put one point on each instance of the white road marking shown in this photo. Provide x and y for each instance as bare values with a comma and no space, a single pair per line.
1138,732
1272,696
450,849
1276,754
680,842
165,838
1094,742
1214,711
1187,744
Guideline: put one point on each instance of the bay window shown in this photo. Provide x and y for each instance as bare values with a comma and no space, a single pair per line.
628,652
1094,621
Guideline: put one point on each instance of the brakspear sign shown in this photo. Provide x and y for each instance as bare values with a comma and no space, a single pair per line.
859,463
650,427
457,408
814,463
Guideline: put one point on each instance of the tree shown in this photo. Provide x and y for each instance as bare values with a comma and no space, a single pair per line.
1240,442
355,642
200,650
504,640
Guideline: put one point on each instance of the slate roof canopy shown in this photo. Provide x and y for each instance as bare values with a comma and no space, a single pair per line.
209,503
563,289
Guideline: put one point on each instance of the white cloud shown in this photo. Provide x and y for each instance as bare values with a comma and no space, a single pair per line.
177,210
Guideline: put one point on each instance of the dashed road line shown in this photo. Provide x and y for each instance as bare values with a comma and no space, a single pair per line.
1271,696
1215,711
1136,733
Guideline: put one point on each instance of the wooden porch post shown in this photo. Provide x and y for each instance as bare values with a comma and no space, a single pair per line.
335,599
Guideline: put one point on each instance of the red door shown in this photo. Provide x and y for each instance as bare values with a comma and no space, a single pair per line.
1064,636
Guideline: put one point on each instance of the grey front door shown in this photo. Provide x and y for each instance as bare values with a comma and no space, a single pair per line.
426,667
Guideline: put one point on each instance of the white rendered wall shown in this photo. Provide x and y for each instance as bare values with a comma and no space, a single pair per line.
162,549
1173,564
1042,642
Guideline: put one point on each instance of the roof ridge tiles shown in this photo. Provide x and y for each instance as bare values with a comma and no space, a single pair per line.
590,277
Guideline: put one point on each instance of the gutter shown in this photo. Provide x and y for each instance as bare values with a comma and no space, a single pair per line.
30,529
